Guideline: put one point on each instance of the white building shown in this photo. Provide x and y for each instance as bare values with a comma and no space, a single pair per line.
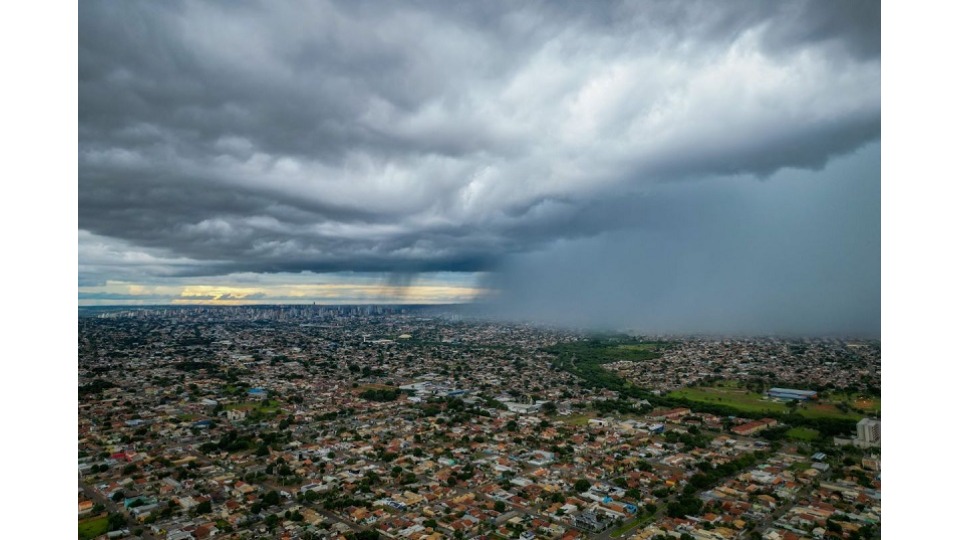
868,431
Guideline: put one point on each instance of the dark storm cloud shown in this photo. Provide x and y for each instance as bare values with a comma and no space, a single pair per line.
798,254
220,137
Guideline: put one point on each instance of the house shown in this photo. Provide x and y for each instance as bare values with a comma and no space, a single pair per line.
591,522
753,427
84,506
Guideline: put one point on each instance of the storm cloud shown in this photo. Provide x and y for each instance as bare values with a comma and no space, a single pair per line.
398,138
796,255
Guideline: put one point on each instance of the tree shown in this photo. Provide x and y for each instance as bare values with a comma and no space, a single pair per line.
203,508
581,485
686,505
366,535
116,521
272,498
499,506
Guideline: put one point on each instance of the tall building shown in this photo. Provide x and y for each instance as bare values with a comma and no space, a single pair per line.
868,431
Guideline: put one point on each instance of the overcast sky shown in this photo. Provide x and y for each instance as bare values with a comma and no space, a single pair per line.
678,166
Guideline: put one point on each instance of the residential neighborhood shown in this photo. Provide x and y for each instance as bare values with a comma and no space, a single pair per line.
395,422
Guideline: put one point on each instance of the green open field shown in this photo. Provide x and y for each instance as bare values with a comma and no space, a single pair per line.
826,410
268,408
93,527
577,419
802,433
868,404
630,525
731,394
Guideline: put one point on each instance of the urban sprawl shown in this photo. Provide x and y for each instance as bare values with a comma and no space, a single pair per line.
406,422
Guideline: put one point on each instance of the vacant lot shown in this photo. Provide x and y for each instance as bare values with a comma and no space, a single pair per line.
826,410
868,404
630,525
731,394
578,419
802,433
93,527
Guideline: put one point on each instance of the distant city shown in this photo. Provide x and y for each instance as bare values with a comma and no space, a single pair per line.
421,422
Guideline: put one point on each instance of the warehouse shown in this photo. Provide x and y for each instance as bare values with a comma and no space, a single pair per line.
790,393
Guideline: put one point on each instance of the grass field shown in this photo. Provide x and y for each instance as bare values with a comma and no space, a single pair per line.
731,396
577,419
826,410
93,527
729,393
802,433
629,526
270,407
868,404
